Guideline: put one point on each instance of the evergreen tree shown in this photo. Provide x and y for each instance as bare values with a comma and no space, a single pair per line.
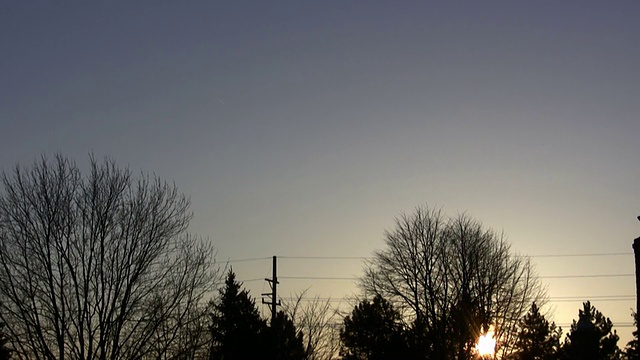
537,339
591,336
237,331
286,342
632,350
373,331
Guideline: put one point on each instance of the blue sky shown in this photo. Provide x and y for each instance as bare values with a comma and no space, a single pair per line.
303,129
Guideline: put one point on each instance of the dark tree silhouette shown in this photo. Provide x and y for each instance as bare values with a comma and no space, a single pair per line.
591,336
285,341
237,331
632,350
5,352
98,265
537,339
373,331
452,277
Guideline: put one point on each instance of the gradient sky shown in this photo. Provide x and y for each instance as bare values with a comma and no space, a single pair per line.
304,128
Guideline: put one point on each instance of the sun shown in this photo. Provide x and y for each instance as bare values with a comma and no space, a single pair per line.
486,345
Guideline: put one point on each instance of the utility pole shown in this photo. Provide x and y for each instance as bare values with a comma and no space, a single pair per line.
273,294
636,253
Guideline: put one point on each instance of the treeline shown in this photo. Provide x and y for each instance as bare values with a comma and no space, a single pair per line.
100,265
375,330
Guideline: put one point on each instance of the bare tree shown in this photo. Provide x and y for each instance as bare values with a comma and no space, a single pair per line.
99,266
452,278
319,323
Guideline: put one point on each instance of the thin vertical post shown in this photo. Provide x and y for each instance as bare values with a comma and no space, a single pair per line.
274,292
636,254
273,282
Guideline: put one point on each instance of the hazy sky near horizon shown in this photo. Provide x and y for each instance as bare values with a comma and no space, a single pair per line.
304,128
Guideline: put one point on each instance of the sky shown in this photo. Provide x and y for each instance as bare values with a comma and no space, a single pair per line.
302,129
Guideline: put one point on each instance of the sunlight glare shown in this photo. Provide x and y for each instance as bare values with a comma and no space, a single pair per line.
486,344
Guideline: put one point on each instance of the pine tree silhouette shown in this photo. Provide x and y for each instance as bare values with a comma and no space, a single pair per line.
537,339
591,337
237,331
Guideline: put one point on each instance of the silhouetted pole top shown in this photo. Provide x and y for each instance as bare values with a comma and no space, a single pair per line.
636,253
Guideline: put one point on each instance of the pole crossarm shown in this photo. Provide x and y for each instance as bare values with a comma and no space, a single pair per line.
272,297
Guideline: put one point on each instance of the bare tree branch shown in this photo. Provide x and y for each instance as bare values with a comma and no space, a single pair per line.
450,278
319,323
99,266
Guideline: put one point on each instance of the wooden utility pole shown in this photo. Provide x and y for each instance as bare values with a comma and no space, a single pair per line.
636,254
273,302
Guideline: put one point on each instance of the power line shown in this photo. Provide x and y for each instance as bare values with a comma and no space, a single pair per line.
592,297
326,257
317,278
564,325
615,325
531,256
230,261
584,276
579,255
578,276
307,299
538,255
599,300
551,299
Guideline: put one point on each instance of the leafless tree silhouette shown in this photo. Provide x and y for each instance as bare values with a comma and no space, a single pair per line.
319,323
99,266
452,277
